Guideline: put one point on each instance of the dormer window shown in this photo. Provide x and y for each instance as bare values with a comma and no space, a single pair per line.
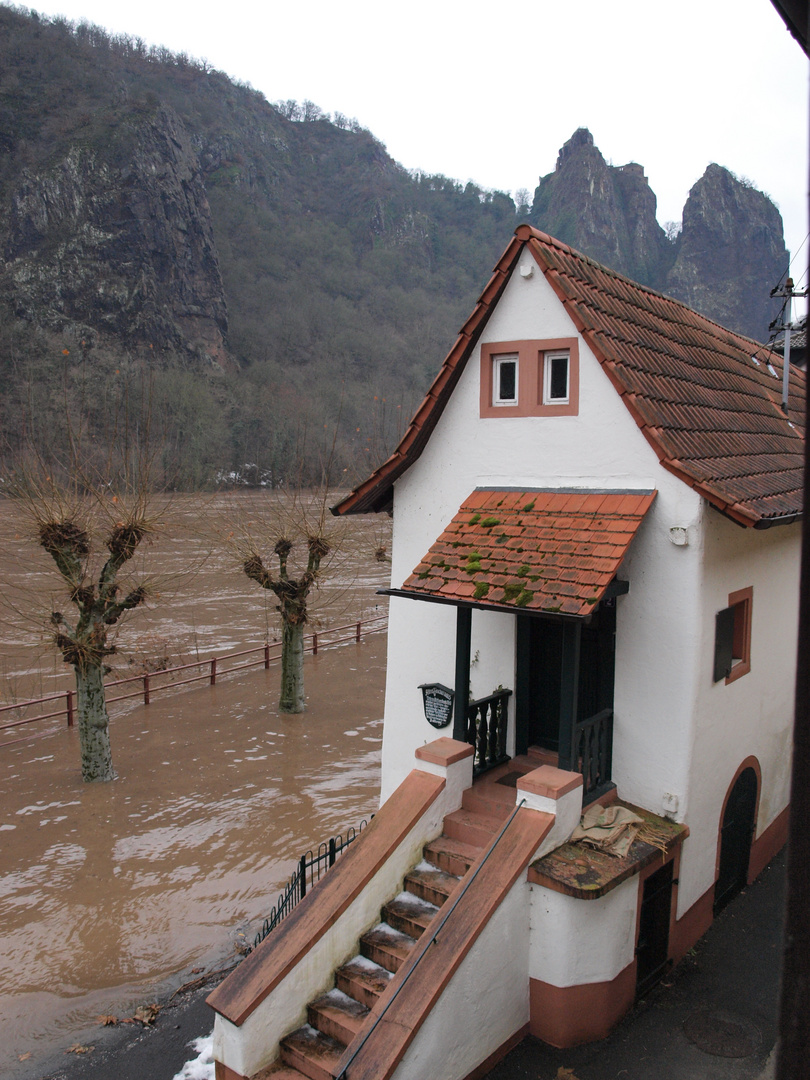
555,379
505,380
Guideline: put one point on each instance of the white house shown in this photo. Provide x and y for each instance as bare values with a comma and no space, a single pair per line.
595,581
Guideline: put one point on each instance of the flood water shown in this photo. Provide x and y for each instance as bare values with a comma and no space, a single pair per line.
110,894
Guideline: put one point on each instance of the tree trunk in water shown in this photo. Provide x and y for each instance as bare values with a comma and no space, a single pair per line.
94,735
292,668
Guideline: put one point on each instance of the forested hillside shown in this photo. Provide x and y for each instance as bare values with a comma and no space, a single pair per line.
259,285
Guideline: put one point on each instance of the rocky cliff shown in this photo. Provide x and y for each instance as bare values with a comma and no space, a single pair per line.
730,254
116,239
288,277
727,257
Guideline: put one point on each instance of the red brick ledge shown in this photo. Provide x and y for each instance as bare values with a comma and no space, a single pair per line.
444,751
260,972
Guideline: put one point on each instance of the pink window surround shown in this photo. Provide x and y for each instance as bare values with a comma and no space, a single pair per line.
742,601
531,360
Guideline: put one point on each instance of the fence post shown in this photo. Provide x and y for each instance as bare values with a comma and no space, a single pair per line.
146,689
214,672
69,696
332,847
302,874
357,636
314,644
266,655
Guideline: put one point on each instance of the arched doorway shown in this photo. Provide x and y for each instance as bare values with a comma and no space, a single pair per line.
736,834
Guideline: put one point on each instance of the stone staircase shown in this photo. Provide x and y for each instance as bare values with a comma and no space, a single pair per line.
336,1017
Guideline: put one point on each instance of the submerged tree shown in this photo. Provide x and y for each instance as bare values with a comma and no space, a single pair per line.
292,594
90,543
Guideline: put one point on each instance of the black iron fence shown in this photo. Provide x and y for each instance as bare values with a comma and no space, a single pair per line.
486,730
311,868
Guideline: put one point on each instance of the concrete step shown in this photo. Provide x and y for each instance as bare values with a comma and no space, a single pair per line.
409,913
337,1014
387,947
278,1071
430,883
311,1052
537,756
472,828
452,856
494,800
363,980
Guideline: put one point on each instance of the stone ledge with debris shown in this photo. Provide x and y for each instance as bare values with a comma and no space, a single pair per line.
585,868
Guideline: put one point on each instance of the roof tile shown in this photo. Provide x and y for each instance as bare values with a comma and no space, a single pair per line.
713,416
560,555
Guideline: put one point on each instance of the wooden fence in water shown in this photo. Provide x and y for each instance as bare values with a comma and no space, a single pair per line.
213,668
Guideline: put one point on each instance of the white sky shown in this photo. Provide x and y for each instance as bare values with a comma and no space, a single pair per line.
480,92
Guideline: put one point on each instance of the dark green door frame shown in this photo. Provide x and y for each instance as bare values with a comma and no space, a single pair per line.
462,687
569,690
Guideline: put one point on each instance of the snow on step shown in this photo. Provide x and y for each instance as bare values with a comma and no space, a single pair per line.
409,913
363,979
338,1015
311,1052
386,946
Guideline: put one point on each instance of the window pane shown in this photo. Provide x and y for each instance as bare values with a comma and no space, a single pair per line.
558,379
507,380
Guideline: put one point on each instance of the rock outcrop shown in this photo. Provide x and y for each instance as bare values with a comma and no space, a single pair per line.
730,254
116,240
605,211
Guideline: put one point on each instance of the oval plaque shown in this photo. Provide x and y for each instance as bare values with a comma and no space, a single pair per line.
438,702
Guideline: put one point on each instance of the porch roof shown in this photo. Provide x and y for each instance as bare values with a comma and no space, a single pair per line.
553,551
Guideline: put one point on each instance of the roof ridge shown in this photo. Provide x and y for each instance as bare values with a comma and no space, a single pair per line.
648,344
529,232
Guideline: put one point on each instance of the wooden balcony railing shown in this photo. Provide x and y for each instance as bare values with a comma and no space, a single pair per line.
593,753
486,730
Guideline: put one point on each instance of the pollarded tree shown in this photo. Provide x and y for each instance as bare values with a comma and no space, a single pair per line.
292,594
91,539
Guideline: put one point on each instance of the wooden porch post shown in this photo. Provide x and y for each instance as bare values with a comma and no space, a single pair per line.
462,689
569,690
522,668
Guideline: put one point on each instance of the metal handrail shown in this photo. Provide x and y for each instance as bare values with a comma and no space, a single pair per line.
431,937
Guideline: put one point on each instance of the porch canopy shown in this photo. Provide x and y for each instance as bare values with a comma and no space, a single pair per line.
538,552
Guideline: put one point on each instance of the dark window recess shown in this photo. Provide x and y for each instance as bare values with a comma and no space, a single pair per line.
507,380
558,379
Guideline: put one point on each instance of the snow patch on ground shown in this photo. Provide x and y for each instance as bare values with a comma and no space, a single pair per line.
202,1066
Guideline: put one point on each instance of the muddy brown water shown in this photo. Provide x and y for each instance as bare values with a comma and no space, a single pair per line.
111,894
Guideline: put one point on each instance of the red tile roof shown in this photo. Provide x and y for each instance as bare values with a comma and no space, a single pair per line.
553,551
711,414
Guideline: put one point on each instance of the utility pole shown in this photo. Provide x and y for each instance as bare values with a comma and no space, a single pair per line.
788,292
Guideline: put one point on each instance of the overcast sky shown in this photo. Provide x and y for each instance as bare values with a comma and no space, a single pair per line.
485,92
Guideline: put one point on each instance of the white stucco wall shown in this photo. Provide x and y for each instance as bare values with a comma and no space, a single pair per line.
669,718
601,447
753,715
577,941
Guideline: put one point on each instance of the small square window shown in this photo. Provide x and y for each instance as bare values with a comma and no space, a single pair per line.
555,379
505,380
732,641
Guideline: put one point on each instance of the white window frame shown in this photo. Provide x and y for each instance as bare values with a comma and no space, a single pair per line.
497,364
547,365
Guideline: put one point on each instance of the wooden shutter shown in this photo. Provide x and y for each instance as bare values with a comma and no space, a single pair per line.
723,643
